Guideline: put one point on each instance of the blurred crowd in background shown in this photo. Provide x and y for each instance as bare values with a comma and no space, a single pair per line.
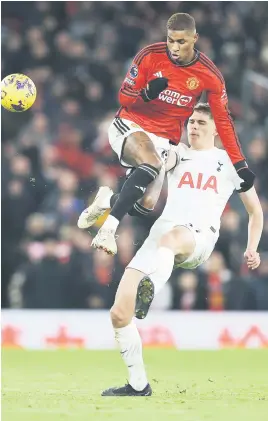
55,156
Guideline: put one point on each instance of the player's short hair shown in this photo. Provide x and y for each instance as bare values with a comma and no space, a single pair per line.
181,22
203,107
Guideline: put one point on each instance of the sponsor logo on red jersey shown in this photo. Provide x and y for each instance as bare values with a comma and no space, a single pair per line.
173,97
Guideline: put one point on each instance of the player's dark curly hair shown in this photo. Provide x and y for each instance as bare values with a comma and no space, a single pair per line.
203,107
181,22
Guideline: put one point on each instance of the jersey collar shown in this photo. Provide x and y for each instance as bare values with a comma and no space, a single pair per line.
195,59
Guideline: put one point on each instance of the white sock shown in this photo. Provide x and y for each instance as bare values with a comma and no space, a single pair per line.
111,223
106,201
130,345
163,270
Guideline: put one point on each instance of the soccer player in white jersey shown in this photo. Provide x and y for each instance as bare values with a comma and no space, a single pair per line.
199,187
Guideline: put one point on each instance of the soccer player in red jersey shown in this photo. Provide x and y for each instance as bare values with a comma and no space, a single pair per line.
163,84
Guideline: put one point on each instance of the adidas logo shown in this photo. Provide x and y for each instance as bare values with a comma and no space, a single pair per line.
158,74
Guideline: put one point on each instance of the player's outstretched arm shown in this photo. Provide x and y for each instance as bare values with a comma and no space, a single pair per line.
255,225
218,102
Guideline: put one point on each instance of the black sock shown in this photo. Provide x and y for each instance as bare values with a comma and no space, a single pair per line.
139,210
113,199
136,210
133,189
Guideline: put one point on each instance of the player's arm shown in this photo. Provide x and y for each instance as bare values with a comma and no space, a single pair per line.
255,225
133,83
136,84
218,102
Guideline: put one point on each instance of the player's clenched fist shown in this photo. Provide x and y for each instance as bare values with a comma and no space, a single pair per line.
252,258
153,89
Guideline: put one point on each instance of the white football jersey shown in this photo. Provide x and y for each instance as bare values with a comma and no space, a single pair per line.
199,187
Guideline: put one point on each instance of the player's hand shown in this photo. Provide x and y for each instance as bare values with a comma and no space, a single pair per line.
252,258
246,174
153,88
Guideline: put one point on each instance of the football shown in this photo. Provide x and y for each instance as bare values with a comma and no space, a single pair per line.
18,93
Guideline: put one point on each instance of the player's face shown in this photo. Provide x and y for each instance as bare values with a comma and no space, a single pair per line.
201,130
181,45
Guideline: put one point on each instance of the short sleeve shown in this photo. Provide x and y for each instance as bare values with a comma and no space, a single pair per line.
236,180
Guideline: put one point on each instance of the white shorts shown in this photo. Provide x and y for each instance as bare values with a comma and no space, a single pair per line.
205,240
121,128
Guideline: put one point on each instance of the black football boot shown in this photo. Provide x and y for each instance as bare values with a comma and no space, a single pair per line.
127,390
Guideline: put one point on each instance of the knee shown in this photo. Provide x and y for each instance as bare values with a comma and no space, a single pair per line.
156,162
153,160
145,154
119,316
148,202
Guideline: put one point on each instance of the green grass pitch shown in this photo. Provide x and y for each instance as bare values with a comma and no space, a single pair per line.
229,385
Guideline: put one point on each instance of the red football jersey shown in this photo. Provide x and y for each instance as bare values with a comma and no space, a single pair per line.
166,115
